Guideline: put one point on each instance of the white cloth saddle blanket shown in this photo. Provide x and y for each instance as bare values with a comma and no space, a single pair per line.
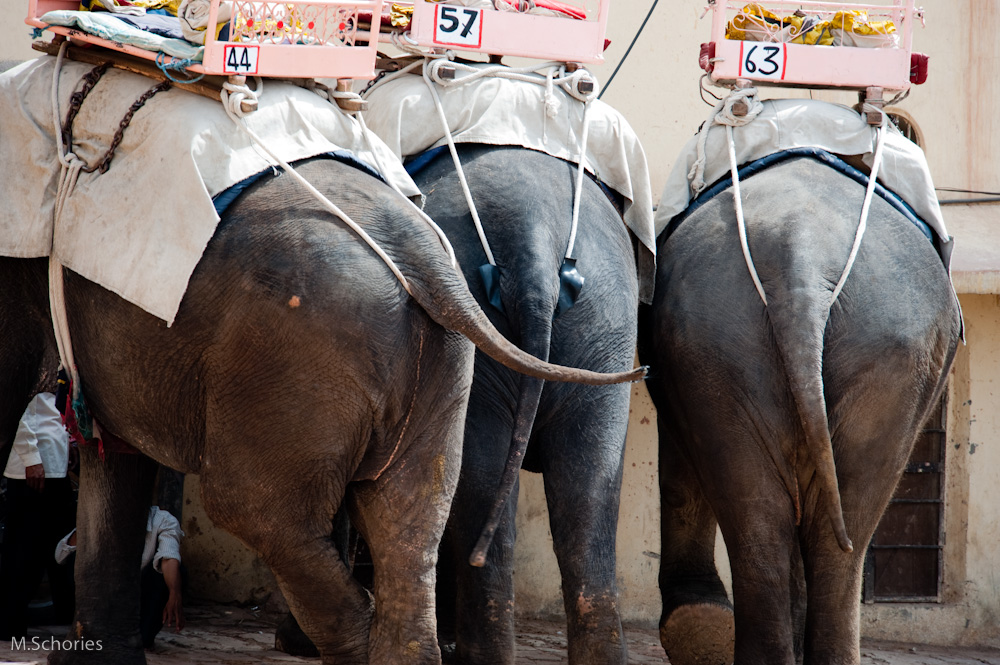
501,111
140,228
796,123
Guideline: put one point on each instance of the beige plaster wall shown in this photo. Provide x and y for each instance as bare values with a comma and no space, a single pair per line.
219,566
657,91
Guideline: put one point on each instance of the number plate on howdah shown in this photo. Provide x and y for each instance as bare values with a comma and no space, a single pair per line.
458,26
763,61
240,59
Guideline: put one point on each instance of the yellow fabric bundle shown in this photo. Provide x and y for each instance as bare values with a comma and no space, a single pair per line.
400,16
172,6
752,21
847,28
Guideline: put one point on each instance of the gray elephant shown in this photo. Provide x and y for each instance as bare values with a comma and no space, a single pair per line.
789,424
297,376
574,435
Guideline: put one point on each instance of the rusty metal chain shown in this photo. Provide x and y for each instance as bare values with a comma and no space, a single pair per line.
76,102
105,163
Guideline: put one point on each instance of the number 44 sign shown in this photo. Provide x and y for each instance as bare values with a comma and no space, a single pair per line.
458,26
763,60
240,59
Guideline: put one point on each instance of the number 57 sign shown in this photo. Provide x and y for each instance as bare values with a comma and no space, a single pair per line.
763,60
458,26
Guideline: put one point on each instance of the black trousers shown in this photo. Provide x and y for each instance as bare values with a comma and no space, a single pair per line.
153,594
35,522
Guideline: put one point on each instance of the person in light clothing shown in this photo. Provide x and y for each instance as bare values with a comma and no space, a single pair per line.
160,595
40,508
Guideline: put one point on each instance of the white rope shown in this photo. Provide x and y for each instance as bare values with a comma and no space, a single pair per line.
537,74
578,193
332,95
458,163
723,114
232,96
554,74
391,76
740,222
863,223
70,167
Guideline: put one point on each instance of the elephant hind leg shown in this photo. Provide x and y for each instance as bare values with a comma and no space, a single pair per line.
402,517
697,626
288,636
290,528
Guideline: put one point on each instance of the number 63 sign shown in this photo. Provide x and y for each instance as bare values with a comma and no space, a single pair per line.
763,60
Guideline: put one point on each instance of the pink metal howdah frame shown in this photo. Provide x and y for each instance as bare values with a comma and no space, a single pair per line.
314,39
851,61
512,33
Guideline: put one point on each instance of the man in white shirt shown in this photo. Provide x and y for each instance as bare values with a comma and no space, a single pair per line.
160,587
40,509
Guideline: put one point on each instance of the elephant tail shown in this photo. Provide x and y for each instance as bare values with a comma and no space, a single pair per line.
799,327
441,290
537,342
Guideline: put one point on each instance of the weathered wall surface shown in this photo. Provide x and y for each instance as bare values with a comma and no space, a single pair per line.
219,566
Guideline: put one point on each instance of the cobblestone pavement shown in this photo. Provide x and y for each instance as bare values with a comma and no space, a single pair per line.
225,635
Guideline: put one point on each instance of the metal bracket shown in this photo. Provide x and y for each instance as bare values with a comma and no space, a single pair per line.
872,96
740,107
350,105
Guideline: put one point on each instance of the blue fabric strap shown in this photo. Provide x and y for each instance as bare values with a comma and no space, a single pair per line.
225,198
819,155
418,163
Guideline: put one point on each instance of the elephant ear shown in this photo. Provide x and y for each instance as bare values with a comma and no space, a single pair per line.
570,285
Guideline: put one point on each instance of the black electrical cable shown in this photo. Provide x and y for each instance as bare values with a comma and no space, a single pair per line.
956,190
989,199
628,50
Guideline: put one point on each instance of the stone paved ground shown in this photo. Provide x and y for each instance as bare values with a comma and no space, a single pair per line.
224,635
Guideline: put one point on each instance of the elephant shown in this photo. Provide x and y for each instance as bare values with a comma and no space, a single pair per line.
298,376
573,435
788,424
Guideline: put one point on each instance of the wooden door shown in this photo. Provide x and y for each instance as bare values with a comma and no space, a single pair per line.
904,561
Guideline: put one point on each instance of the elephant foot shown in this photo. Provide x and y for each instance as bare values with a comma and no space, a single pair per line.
699,634
291,639
448,655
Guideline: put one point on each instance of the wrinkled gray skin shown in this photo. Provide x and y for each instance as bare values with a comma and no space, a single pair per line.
575,434
354,393
749,397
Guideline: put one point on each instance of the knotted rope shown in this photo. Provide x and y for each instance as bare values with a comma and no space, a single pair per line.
70,167
177,65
